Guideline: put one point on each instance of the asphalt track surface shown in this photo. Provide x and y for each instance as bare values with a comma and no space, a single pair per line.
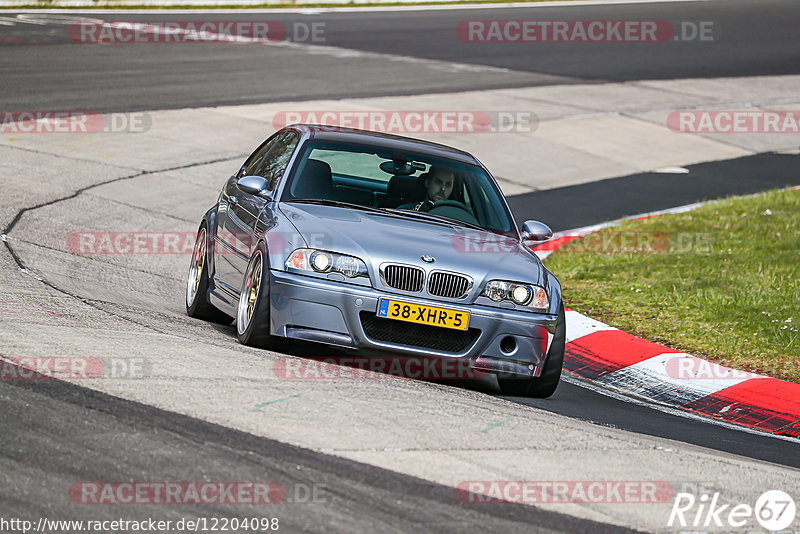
56,433
119,437
567,208
39,439
749,39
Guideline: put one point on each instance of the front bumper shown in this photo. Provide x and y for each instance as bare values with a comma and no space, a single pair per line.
332,312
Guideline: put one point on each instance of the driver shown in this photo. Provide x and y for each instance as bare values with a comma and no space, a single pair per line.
438,186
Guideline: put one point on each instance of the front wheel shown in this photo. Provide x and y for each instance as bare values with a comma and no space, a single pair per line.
545,384
197,304
252,317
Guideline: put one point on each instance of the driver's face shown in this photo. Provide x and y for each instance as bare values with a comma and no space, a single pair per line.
439,186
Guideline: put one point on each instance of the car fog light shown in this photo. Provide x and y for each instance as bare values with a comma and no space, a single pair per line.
508,344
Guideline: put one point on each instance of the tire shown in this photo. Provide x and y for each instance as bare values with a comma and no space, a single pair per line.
252,316
197,304
545,384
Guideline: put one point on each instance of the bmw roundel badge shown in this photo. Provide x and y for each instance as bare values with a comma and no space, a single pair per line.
428,259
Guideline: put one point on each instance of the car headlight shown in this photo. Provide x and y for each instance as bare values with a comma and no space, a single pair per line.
528,295
320,261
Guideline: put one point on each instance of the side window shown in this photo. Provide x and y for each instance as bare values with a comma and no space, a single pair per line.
253,162
274,164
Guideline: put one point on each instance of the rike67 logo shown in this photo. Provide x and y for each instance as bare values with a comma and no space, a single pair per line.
774,510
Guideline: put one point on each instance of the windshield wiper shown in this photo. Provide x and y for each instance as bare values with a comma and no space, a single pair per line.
338,204
388,211
433,216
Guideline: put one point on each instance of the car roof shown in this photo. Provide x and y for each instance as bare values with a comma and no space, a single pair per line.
384,140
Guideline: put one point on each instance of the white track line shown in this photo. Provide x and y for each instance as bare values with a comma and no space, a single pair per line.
312,49
354,9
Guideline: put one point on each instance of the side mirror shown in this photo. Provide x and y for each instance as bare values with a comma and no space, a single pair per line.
535,232
255,185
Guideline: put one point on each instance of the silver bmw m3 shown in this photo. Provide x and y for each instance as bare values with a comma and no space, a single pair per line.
381,244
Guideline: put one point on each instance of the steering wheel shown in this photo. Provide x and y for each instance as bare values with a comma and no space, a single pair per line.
453,209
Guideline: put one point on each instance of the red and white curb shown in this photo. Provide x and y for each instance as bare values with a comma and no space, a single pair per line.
624,363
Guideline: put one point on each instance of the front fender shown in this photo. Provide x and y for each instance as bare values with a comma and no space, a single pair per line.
281,237
555,292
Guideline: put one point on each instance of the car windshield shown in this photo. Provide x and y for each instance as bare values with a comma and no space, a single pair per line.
401,183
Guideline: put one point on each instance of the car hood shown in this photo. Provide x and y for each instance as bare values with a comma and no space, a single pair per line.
378,239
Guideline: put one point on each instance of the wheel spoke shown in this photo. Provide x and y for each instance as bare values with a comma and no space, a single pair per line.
196,268
249,295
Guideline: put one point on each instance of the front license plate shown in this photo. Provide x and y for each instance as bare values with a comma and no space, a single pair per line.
416,313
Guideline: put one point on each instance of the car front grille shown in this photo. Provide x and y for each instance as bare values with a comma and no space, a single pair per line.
449,285
417,335
404,277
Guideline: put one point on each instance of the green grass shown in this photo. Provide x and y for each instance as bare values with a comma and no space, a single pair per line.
721,281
